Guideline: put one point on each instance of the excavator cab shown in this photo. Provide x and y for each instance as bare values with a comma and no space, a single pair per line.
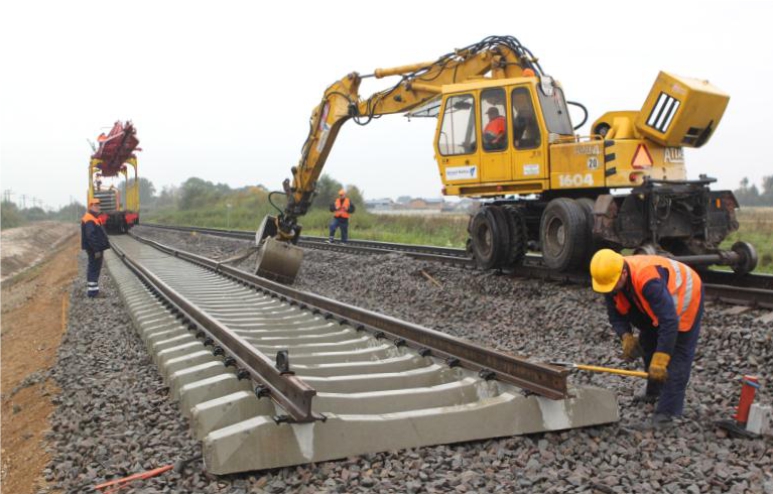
493,135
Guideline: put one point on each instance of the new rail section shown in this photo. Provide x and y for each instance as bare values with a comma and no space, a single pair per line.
271,376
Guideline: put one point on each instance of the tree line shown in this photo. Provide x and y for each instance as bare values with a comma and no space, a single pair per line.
749,195
197,193
13,215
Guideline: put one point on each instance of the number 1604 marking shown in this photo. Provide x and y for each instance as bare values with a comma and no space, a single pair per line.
576,180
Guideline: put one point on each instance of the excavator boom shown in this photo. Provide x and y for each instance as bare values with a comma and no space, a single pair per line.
497,56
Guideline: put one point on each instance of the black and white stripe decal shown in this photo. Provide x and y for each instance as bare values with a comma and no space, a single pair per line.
663,112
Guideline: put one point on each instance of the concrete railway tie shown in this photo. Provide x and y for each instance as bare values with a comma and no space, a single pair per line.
374,396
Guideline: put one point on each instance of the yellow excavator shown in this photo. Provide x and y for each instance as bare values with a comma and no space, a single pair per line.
504,134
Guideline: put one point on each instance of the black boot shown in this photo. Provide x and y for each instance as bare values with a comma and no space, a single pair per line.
645,398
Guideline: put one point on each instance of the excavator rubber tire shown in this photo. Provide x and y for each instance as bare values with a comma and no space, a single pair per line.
504,240
594,245
484,232
518,235
564,235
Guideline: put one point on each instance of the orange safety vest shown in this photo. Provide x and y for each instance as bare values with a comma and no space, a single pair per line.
684,285
496,127
342,208
90,217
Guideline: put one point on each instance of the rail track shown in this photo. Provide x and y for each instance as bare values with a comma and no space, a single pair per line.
751,290
272,376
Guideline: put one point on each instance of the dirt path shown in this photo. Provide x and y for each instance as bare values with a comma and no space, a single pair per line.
34,315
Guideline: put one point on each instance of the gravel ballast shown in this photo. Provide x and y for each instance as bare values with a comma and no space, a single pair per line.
115,417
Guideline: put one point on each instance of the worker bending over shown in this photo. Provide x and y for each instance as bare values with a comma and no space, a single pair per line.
94,241
341,208
663,298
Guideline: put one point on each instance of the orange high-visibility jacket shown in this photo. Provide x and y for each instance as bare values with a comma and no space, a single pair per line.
342,208
496,128
93,237
684,285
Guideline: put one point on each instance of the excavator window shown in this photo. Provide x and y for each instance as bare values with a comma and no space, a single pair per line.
457,133
555,112
526,133
493,115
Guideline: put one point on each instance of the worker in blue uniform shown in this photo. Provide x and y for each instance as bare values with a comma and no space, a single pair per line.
94,241
663,298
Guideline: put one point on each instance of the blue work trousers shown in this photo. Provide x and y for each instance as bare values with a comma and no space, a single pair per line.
672,391
92,273
343,224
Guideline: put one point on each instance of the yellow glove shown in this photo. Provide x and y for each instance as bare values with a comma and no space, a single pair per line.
658,365
631,348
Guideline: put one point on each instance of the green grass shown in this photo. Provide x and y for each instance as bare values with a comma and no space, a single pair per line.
445,230
756,227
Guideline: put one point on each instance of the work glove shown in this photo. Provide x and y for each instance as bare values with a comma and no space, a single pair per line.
658,365
631,348
97,255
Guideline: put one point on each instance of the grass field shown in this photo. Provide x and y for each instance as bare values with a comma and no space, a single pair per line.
757,229
756,226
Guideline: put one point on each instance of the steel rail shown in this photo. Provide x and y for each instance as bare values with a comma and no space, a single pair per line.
352,246
545,380
755,289
290,392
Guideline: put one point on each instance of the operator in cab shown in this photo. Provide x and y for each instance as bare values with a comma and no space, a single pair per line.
494,134
341,208
94,241
663,298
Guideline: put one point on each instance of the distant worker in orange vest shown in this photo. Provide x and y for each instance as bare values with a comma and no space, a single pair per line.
663,298
94,241
341,208
495,132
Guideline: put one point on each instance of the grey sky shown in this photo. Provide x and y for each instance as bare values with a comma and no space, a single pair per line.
224,90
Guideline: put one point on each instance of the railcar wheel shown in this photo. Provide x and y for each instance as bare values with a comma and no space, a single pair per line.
748,255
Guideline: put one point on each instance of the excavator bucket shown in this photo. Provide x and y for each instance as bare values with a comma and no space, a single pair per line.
277,260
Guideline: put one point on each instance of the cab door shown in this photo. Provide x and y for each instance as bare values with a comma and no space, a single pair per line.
529,157
457,141
495,156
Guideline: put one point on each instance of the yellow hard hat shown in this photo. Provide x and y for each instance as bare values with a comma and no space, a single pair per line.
605,269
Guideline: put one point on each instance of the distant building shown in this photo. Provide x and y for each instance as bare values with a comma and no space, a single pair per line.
464,206
421,203
384,204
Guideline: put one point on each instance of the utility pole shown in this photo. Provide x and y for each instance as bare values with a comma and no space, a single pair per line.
24,201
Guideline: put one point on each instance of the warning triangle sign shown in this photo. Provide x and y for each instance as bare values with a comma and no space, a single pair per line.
642,158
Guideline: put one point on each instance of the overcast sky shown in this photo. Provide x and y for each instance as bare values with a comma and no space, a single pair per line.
224,90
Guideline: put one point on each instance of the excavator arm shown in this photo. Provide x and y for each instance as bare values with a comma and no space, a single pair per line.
501,56
497,57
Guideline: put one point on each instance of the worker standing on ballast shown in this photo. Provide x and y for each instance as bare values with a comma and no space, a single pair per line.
94,241
341,208
663,298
